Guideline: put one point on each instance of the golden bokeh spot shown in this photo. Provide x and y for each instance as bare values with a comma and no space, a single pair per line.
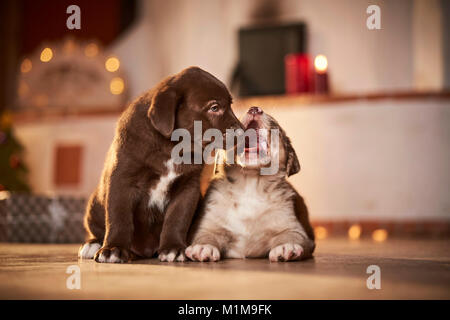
5,120
91,50
321,63
320,232
379,235
46,55
69,46
116,85
354,232
26,66
112,64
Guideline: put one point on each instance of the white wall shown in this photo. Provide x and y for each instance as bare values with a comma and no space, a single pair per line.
428,45
173,34
360,160
40,139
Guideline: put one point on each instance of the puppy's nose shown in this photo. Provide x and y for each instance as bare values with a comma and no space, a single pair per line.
255,110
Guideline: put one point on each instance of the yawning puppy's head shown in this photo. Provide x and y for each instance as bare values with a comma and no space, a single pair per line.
266,143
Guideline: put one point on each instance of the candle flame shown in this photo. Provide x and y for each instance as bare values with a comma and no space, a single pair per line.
321,63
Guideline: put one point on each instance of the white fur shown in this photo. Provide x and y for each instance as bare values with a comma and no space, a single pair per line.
203,252
158,195
113,258
172,256
248,208
88,250
286,252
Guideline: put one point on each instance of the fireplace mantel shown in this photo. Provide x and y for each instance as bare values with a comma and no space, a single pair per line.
301,100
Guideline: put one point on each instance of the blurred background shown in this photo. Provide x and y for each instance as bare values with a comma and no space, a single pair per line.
367,109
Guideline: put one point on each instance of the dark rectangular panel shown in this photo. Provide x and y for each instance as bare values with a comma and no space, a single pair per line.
261,57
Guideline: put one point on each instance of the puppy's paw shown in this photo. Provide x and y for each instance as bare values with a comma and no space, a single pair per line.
203,252
113,255
174,255
88,250
286,252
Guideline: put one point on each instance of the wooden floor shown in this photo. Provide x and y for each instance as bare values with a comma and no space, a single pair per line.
410,269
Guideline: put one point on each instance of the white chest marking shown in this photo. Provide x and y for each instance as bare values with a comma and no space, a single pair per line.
158,195
247,209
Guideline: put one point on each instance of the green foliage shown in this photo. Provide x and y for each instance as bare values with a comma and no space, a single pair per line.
13,172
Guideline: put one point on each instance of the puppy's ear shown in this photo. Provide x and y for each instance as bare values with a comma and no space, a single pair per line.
163,110
292,163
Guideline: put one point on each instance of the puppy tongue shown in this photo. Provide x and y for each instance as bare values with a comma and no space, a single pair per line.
252,147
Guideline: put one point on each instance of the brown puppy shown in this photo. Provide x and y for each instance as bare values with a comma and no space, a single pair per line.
145,202
249,214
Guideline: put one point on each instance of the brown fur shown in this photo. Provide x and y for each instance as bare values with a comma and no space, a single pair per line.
117,214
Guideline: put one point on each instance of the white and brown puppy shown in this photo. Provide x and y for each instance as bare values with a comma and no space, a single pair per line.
249,215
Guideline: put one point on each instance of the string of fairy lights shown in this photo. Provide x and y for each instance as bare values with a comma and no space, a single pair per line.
112,64
354,232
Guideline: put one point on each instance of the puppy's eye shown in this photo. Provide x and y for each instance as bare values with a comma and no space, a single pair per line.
214,108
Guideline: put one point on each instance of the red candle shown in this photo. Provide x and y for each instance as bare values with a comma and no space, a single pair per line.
297,73
321,74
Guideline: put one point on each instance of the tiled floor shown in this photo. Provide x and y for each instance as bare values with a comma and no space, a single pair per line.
410,269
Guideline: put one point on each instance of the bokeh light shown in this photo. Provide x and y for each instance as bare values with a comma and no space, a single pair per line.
26,65
116,85
91,50
112,64
46,55
321,63
379,235
354,232
69,46
320,232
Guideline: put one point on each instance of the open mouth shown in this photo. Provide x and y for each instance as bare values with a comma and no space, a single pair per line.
256,145
252,145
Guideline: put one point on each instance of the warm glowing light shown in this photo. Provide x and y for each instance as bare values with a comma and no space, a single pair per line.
69,46
26,66
6,120
354,232
116,85
379,235
46,55
91,50
320,232
4,195
112,64
321,63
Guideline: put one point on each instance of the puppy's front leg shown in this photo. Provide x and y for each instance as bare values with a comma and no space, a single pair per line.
290,245
203,252
208,244
178,217
119,225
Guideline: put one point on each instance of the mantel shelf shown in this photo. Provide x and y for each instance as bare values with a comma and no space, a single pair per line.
300,100
312,100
